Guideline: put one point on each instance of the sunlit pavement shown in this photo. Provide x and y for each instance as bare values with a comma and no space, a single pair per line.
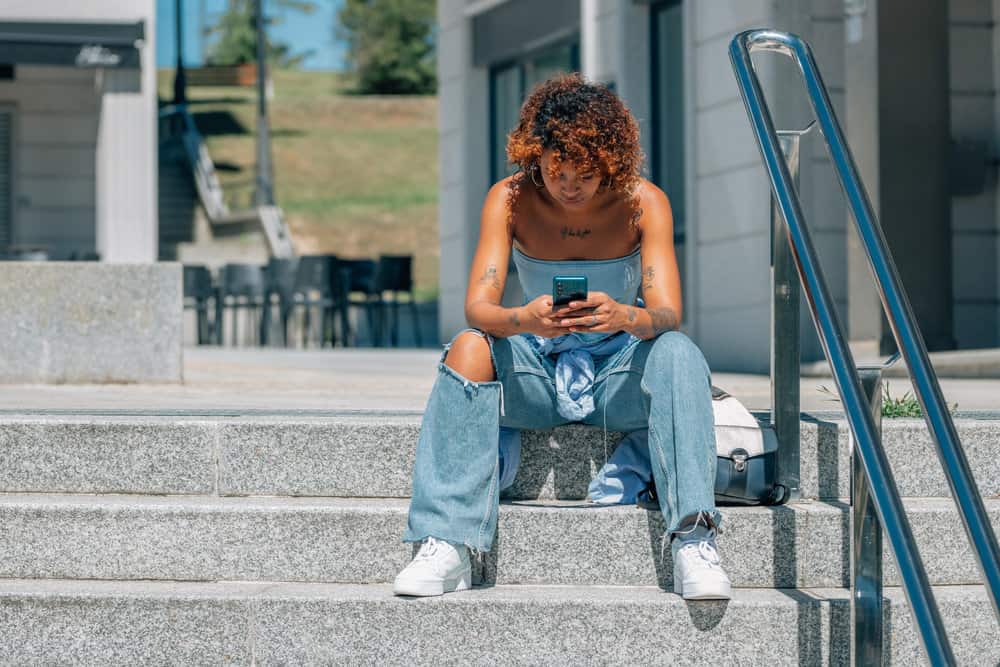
394,380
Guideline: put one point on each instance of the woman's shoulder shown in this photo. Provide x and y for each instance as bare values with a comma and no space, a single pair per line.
653,203
650,194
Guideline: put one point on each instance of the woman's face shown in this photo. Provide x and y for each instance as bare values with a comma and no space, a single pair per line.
573,189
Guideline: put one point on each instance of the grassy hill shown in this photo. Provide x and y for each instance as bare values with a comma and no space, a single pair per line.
356,175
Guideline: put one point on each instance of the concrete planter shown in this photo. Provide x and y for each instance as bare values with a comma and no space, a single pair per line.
89,322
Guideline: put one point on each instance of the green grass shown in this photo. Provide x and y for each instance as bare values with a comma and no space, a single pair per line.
906,405
356,175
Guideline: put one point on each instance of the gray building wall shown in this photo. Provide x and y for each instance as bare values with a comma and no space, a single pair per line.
109,141
726,282
729,226
55,143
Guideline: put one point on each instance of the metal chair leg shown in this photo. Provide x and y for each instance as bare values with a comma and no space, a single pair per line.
306,325
416,321
395,320
370,315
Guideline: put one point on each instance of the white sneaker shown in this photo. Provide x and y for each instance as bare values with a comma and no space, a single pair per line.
697,572
439,567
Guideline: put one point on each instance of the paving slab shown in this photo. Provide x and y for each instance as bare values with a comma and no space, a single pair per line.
367,379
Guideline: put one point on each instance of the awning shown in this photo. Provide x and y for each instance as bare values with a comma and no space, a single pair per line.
81,44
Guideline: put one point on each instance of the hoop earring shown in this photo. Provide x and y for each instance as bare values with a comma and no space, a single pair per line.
534,171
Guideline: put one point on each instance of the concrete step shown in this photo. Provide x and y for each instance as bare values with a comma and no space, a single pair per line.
371,455
359,541
113,623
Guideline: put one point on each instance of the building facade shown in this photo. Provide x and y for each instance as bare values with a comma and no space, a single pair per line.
78,129
915,91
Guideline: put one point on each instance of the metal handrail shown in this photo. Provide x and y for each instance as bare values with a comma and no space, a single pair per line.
209,188
883,488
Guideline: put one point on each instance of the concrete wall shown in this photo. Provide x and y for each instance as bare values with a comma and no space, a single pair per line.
114,123
729,227
726,285
84,322
55,143
974,81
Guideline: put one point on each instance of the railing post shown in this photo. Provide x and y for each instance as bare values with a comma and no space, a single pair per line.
785,402
866,543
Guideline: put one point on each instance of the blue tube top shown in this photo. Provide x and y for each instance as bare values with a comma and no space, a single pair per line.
619,278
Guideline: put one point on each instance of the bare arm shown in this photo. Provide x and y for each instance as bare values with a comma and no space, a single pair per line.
489,270
661,282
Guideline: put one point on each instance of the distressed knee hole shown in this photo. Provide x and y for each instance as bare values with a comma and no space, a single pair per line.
469,355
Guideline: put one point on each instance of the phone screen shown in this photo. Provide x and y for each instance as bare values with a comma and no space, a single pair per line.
568,288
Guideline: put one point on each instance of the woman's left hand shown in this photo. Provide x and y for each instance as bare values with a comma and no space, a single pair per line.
602,313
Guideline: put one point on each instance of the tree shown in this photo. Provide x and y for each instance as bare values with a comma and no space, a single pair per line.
237,35
390,45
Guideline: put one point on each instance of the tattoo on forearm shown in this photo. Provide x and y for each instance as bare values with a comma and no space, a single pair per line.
577,233
664,319
515,319
490,277
631,315
647,278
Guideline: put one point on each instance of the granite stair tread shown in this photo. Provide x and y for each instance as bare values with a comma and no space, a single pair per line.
358,540
245,623
371,454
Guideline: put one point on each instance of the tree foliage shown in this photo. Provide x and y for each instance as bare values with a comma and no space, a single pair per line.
390,45
236,35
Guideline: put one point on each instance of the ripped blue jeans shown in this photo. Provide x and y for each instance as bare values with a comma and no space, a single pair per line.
663,384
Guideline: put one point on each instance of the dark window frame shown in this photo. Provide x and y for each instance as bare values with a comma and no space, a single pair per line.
656,110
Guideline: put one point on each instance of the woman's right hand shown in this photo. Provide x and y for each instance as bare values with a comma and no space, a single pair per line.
536,317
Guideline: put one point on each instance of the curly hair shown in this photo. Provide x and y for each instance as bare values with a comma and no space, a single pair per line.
583,123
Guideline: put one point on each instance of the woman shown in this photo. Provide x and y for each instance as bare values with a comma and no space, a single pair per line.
578,206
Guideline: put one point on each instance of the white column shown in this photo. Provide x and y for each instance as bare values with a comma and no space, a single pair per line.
463,123
127,161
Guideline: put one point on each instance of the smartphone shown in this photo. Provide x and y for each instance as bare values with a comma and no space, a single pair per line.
568,288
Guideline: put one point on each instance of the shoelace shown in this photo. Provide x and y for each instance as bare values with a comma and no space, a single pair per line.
429,549
706,551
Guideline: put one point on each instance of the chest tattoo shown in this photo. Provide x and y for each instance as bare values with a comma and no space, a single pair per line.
574,233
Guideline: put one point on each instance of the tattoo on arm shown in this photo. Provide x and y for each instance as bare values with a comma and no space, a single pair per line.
647,278
637,216
631,314
664,319
490,277
515,319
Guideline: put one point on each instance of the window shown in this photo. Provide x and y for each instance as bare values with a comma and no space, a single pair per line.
6,178
667,70
509,83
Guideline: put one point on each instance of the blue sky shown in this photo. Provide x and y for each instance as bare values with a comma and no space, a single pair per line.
301,31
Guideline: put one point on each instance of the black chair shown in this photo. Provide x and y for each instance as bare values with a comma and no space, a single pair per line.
394,276
241,287
359,278
279,281
319,284
198,291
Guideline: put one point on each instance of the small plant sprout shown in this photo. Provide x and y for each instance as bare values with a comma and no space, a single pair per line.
906,405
